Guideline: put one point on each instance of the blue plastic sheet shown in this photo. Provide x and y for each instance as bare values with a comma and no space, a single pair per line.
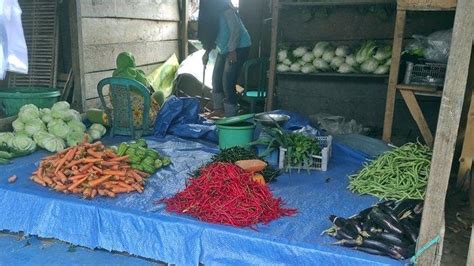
30,250
136,224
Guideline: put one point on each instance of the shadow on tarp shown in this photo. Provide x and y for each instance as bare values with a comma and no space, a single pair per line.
135,224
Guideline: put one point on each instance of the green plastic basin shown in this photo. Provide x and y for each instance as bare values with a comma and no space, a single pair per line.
12,99
238,134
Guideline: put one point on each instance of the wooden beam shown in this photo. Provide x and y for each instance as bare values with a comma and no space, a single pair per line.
417,114
273,54
184,9
163,10
470,254
448,124
393,78
78,101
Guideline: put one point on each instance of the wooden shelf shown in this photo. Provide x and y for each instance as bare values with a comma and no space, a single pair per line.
421,90
331,74
339,3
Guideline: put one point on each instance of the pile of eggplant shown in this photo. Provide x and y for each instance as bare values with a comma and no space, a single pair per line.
388,229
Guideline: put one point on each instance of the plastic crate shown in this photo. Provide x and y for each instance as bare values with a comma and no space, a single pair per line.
12,99
319,162
431,74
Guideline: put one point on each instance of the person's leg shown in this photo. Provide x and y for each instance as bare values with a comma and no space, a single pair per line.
217,88
230,77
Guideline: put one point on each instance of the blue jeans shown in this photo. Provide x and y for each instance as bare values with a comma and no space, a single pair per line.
225,75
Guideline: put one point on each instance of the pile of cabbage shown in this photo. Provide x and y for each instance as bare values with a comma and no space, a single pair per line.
51,129
369,58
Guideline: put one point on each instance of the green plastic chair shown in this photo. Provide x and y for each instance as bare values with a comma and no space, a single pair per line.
253,95
121,113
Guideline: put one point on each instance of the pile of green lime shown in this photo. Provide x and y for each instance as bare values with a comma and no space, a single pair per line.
141,157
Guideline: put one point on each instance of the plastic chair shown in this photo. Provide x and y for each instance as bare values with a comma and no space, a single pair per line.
120,115
253,95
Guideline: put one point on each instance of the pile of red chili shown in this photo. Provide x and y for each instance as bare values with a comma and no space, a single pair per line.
224,193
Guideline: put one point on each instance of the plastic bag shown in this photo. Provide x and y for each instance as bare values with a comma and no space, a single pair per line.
14,55
337,125
434,47
161,79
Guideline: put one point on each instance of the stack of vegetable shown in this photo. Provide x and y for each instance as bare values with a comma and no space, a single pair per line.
89,170
234,154
401,173
224,193
324,57
52,129
143,158
299,147
387,229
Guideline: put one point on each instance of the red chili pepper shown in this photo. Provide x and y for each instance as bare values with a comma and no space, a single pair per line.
224,193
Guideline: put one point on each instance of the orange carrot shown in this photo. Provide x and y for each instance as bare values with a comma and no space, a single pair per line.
77,183
97,169
93,193
91,160
98,181
77,177
109,163
110,154
118,159
60,175
94,153
74,163
116,173
70,154
136,176
87,192
47,180
60,187
142,174
85,167
137,187
38,180
65,159
109,193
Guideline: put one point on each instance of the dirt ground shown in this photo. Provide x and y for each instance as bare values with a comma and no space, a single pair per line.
458,229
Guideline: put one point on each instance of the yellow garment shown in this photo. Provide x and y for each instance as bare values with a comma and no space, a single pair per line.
162,78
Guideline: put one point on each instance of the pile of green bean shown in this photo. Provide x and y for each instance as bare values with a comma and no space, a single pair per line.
401,173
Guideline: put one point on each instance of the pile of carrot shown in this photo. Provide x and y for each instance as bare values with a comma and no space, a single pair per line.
90,170
224,193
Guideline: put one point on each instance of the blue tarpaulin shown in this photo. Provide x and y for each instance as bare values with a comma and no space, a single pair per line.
136,224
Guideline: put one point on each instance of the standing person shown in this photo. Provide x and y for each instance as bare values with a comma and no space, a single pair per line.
220,26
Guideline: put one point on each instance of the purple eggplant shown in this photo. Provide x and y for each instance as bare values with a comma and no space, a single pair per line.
370,250
389,250
341,234
345,225
350,243
410,230
388,203
393,239
404,206
385,221
362,215
388,212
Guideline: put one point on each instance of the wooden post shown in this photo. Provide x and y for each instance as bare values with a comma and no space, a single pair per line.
470,254
393,78
432,223
273,52
184,29
78,98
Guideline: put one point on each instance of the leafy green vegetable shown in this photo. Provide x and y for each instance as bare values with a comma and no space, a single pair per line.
74,137
38,137
59,129
53,144
336,62
342,51
5,137
100,128
329,54
23,143
94,134
33,126
351,60
77,126
320,64
75,115
366,51
28,112
382,70
369,66
345,68
60,110
18,125
319,49
383,53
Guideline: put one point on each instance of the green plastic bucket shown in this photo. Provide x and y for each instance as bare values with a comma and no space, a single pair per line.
12,99
237,134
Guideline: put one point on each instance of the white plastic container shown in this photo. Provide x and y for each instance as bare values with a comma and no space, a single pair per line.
319,162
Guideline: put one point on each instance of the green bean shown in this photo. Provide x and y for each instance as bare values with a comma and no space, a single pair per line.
397,174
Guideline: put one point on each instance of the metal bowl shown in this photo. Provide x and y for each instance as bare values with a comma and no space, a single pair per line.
270,120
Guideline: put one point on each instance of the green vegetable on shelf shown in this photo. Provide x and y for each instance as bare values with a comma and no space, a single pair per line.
149,161
141,143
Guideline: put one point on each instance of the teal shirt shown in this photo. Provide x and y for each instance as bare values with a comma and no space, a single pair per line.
232,33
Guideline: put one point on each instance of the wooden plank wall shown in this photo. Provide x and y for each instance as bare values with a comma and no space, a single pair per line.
149,29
